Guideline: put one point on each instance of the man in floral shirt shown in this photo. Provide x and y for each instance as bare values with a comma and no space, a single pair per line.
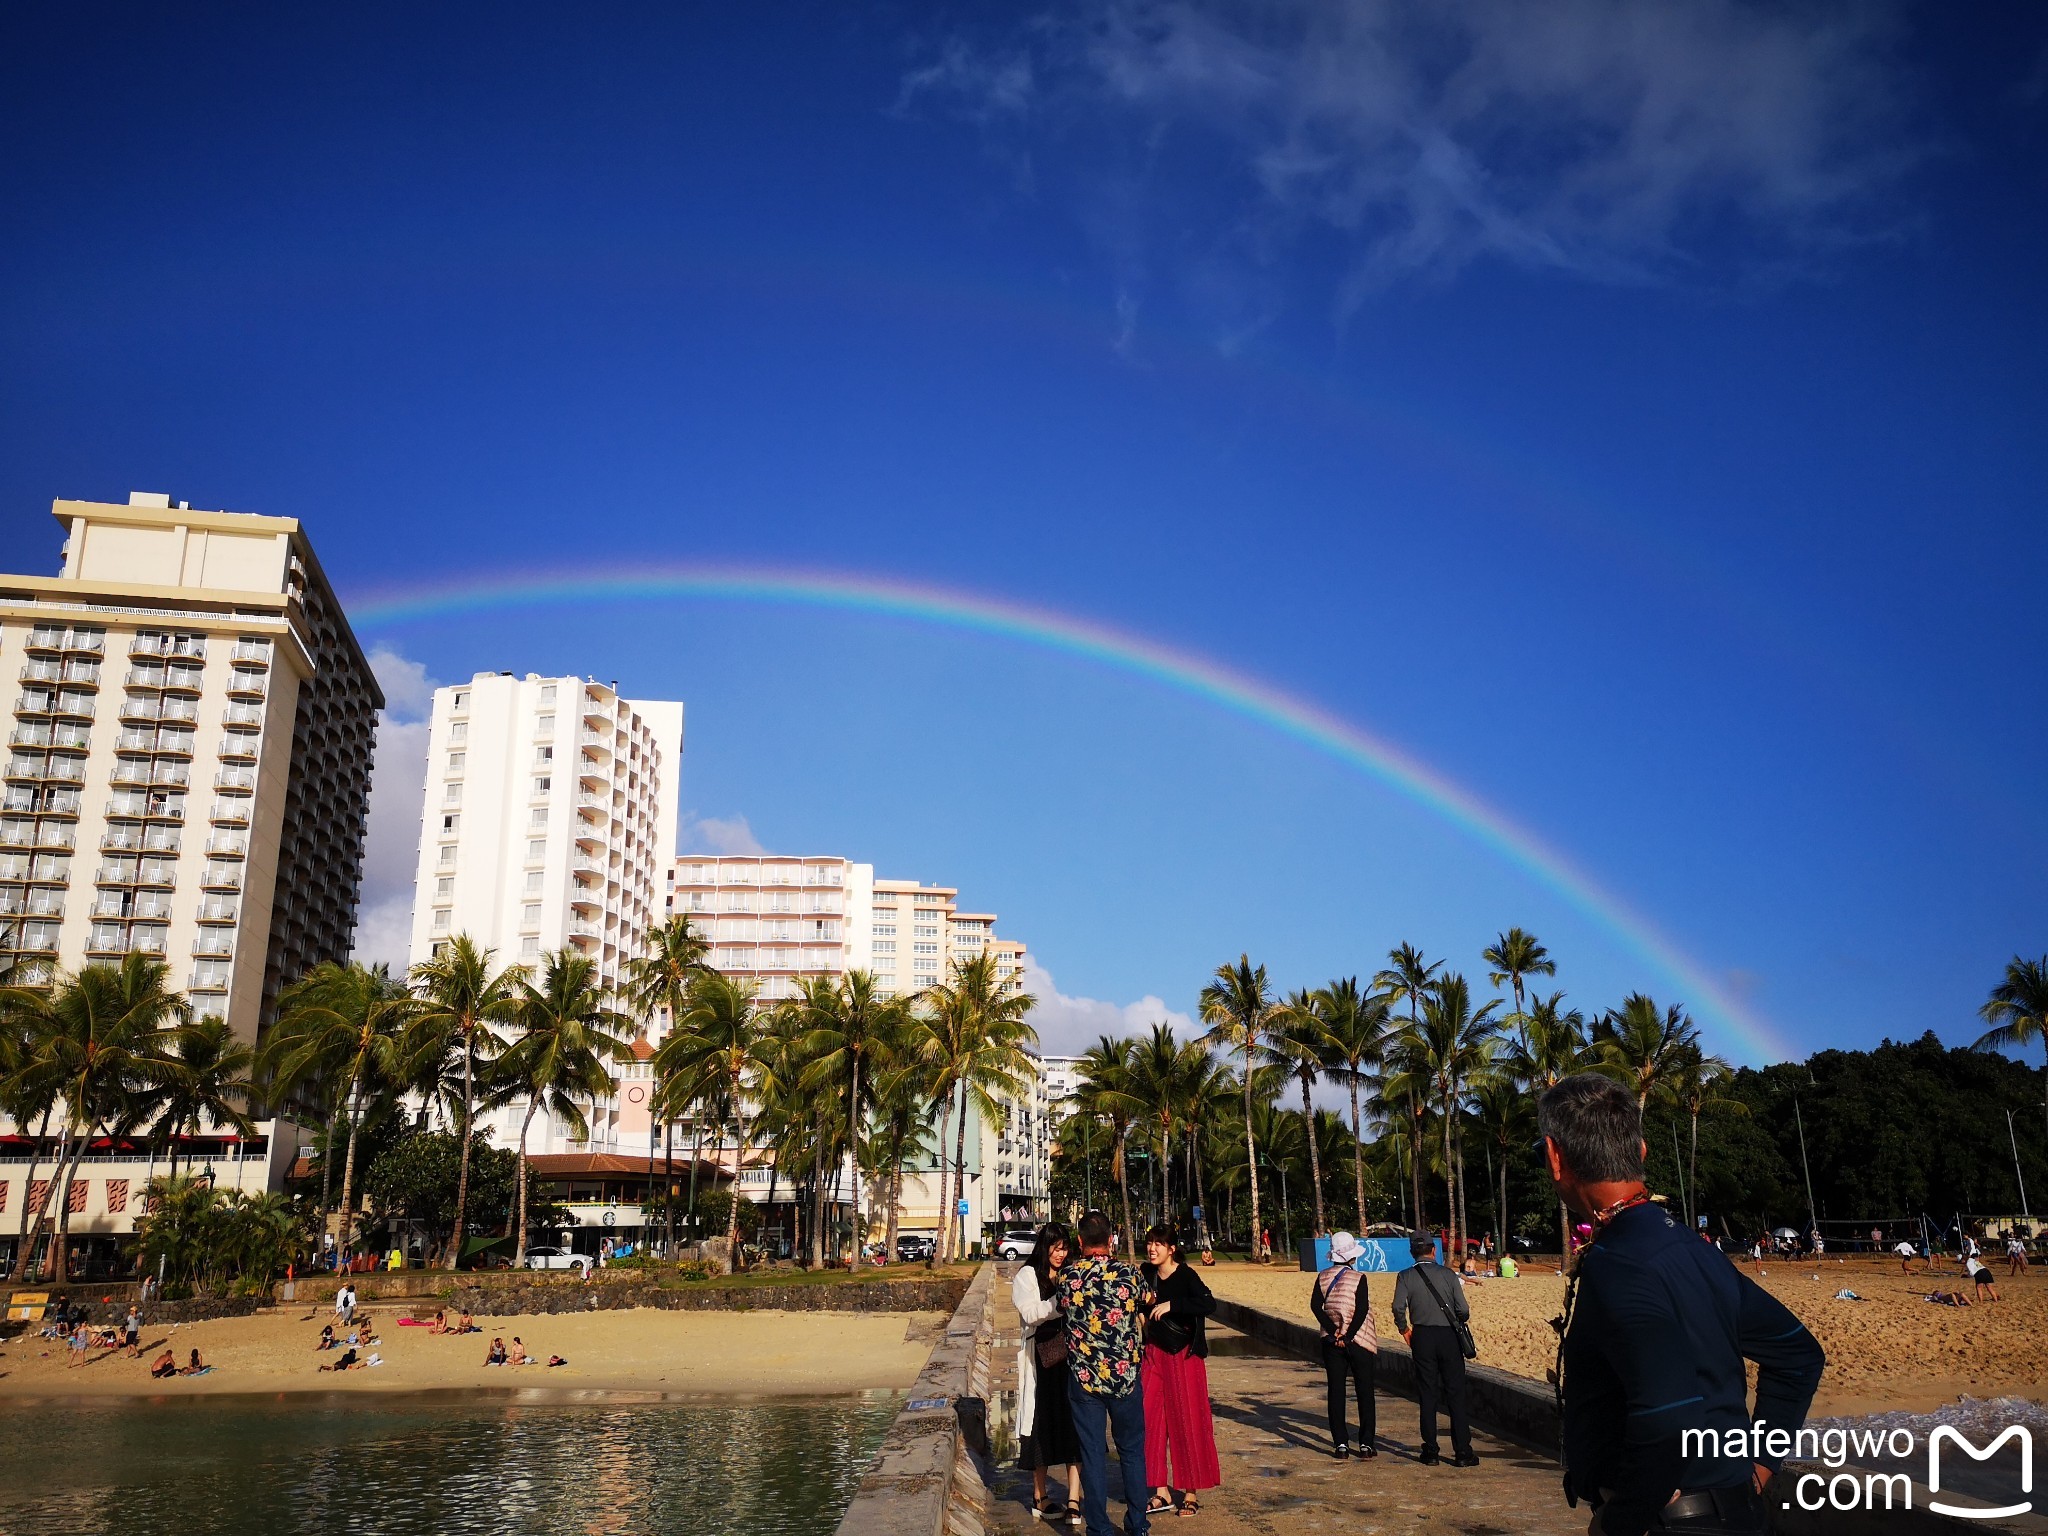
1103,1299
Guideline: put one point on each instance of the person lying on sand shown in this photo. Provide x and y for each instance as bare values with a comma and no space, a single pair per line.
1948,1298
347,1362
556,1360
165,1364
496,1354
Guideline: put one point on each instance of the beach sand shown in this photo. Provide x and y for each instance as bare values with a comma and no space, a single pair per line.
1892,1351
622,1351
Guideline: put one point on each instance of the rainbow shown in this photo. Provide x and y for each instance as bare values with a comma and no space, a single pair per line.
1183,671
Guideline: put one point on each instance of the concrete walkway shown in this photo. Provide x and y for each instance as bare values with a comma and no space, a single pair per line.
1272,1440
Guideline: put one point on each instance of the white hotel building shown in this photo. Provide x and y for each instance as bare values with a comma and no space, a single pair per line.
550,820
780,921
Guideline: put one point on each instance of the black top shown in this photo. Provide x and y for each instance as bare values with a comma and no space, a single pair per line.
1183,1327
1662,1325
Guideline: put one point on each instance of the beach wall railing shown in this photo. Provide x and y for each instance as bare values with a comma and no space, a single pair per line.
1511,1406
931,1476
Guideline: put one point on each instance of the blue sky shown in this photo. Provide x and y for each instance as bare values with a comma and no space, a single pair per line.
1635,415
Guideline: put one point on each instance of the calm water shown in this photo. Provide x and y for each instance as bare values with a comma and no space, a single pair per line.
786,1466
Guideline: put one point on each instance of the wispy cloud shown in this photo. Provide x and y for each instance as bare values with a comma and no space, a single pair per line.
398,789
716,834
1608,139
1069,1025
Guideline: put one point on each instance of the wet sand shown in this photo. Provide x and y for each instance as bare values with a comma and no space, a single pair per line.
643,1351
1894,1350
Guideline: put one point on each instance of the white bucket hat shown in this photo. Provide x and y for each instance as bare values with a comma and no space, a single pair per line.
1344,1248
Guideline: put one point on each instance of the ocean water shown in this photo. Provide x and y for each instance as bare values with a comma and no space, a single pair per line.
446,1464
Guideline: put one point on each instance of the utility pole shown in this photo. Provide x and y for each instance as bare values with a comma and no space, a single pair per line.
2013,1136
1812,1212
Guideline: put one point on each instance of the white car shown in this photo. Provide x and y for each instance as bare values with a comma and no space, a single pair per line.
557,1258
1017,1245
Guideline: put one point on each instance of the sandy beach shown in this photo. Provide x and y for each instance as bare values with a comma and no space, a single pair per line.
1894,1350
622,1351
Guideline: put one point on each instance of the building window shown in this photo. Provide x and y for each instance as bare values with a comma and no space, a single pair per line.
530,917
455,761
441,919
529,946
887,947
536,850
888,928
543,784
445,887
448,858
533,879
461,699
448,825
452,795
547,693
924,949
539,817
544,726
459,731
543,755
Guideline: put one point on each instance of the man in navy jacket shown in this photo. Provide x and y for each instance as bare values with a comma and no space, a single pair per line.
1657,1431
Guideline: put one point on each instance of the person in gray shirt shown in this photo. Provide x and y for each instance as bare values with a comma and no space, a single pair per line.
1420,1296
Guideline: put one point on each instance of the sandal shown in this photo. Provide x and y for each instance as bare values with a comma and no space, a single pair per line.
1191,1505
1049,1510
1159,1506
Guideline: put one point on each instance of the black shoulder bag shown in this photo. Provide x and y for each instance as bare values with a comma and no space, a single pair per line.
1465,1340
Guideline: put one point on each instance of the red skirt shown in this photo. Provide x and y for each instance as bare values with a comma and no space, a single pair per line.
1180,1435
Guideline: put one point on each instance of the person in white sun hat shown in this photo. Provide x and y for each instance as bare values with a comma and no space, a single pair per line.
1350,1344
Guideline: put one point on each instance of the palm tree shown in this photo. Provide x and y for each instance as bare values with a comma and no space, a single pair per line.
719,1039
1107,1095
463,1008
1643,1046
974,1040
1301,1046
1355,1027
2017,1010
1407,977
207,1083
1553,1046
345,1025
1697,1087
96,1044
904,1110
850,1024
1238,1008
1447,1046
1513,957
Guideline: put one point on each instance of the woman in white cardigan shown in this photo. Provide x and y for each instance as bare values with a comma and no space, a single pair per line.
1045,1422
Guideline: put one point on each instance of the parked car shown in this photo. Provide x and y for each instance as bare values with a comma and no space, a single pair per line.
915,1247
1017,1243
557,1258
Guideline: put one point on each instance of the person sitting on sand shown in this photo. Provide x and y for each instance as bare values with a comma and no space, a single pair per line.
518,1355
440,1324
1981,1273
195,1366
496,1353
468,1325
326,1338
347,1362
165,1364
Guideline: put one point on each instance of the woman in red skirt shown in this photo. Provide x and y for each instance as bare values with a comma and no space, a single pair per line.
1180,1434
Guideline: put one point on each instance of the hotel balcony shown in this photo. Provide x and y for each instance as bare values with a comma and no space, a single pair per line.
227,847
87,672
229,813
241,714
242,779
89,644
221,877
192,647
246,652
246,685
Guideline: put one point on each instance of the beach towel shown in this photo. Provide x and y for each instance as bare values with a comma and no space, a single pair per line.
1845,1294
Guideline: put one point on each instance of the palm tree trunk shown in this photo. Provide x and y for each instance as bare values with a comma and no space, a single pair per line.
1450,1188
853,1133
1415,1155
696,1157
960,1169
1315,1157
1251,1151
1357,1155
942,1250
519,1241
668,1186
895,1178
35,1156
326,1168
462,1174
1464,1211
61,1249
348,1168
739,1153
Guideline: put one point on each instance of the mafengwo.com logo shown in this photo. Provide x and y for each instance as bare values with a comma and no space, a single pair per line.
1873,1468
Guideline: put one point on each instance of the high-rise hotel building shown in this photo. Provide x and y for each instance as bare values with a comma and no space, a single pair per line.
188,766
550,819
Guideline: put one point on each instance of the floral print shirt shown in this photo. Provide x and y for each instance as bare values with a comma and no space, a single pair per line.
1104,1301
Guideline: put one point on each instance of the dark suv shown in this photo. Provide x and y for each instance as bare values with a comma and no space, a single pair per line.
915,1247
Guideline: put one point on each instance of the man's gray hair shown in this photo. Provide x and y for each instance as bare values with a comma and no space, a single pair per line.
1596,1127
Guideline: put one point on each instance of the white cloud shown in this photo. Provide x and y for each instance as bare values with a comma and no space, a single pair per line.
397,797
1069,1025
716,834
1607,138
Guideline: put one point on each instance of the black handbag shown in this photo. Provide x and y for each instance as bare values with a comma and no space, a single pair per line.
1465,1340
1049,1344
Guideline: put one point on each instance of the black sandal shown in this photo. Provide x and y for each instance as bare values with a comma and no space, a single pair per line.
1190,1505
1159,1506
1049,1510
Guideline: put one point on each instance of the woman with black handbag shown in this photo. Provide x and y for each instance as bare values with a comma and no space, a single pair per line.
1180,1428
1045,1422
